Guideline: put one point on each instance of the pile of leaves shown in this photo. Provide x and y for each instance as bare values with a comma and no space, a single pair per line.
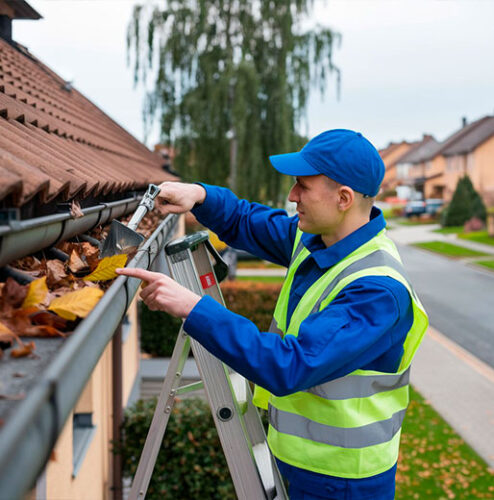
61,294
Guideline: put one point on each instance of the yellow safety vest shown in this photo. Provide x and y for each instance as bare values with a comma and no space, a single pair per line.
349,427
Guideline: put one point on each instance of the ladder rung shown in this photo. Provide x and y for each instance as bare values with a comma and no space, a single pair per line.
239,386
195,386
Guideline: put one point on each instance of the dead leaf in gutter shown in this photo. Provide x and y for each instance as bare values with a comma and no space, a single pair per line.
106,268
13,397
13,293
75,210
76,264
24,350
36,293
76,304
55,273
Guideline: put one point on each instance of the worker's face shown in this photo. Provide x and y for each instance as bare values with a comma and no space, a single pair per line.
317,200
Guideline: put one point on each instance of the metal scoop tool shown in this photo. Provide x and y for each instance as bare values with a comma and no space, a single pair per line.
123,239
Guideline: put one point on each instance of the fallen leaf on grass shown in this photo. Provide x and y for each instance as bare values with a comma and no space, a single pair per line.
36,293
106,268
76,304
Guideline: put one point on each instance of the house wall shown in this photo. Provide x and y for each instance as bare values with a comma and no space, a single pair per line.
436,168
390,177
483,171
130,353
93,479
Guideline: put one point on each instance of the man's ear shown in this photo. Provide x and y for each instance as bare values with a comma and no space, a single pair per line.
346,197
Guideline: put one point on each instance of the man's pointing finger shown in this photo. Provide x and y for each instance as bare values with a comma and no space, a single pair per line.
142,274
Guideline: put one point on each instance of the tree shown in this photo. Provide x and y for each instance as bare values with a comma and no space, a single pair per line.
465,204
231,83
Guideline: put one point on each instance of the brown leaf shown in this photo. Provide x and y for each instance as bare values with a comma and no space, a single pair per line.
13,293
76,264
42,331
24,350
91,253
48,318
13,397
75,209
7,337
18,320
55,273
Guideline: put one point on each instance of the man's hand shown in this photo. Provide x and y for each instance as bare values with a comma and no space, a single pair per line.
180,197
161,293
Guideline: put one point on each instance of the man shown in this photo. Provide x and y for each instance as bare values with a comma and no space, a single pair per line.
333,369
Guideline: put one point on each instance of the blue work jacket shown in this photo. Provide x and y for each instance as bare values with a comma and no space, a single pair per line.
364,327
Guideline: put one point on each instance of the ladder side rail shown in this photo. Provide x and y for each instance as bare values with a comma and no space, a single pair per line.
224,408
249,415
164,406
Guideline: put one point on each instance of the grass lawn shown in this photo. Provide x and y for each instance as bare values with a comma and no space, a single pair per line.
449,230
414,221
478,236
449,249
435,463
486,263
262,279
257,264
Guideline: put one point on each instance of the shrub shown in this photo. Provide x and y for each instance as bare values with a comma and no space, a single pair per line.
190,463
253,300
474,224
465,204
158,331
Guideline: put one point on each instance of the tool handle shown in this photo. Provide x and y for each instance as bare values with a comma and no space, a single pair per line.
147,204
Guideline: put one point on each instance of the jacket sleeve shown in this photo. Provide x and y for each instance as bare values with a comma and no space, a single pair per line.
265,232
366,321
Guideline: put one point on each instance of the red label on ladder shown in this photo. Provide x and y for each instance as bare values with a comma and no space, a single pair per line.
207,280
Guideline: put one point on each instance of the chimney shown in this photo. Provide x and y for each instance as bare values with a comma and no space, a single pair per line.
464,122
9,11
5,28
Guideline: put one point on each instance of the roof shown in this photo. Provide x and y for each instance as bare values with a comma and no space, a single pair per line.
18,9
56,145
481,130
463,132
419,151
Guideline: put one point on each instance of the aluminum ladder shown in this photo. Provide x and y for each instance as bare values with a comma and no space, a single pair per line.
252,467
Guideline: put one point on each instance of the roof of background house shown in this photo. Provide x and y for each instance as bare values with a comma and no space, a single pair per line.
419,150
481,130
458,136
18,9
56,145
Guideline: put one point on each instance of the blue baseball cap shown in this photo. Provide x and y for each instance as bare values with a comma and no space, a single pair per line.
343,155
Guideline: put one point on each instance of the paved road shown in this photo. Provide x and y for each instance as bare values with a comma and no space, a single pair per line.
458,298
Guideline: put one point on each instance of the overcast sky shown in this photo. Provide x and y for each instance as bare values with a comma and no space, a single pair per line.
408,66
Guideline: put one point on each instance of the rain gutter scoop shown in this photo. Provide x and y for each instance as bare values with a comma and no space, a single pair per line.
123,239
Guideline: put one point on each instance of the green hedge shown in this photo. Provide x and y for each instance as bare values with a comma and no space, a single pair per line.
158,331
255,301
190,463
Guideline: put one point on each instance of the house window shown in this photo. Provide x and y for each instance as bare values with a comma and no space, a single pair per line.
82,434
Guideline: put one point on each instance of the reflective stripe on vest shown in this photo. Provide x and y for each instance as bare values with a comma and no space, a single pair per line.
350,437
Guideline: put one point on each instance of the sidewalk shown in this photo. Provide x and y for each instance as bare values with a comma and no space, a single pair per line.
460,387
407,235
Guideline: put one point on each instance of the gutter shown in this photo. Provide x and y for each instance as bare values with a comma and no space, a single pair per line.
30,433
21,238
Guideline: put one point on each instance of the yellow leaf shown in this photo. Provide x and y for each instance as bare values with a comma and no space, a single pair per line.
76,304
106,268
36,293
